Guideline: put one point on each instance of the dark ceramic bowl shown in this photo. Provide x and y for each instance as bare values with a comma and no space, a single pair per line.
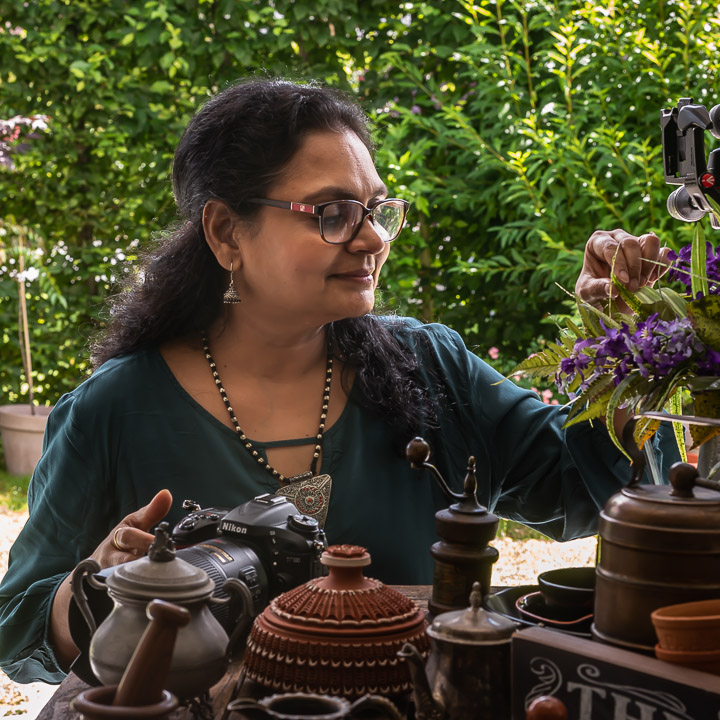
534,608
568,587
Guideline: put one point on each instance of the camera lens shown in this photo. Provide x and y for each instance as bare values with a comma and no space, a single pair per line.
221,559
682,207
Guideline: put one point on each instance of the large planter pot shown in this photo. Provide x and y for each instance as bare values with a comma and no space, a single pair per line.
22,435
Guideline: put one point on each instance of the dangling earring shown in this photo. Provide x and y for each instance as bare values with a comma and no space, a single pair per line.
230,296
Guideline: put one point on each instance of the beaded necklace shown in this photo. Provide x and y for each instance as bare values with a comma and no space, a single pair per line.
309,492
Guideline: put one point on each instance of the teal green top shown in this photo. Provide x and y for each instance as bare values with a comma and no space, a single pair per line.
131,430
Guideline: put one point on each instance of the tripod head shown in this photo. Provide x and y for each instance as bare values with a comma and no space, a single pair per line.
683,139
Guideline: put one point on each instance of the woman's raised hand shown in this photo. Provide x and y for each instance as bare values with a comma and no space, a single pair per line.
634,260
131,538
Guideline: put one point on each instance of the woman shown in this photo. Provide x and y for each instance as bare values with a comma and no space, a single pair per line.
245,361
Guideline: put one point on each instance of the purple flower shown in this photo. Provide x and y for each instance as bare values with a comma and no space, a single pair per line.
656,349
710,364
658,346
680,267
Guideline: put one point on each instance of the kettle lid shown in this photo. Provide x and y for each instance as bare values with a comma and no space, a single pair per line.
473,625
161,574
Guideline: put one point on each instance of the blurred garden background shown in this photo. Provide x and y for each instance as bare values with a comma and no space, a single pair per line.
515,129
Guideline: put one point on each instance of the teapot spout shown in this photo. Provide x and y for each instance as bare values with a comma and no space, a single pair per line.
426,708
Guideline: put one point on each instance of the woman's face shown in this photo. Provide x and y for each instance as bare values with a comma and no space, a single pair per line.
288,272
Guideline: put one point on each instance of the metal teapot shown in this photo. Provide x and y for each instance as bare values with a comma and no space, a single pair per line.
202,649
468,671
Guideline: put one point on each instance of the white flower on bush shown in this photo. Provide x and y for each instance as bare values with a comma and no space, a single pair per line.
28,275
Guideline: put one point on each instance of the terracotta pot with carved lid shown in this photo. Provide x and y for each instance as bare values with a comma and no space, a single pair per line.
337,635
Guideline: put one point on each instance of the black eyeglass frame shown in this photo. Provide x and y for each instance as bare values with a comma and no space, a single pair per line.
318,210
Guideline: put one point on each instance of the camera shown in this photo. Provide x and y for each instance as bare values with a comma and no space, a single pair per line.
683,140
266,543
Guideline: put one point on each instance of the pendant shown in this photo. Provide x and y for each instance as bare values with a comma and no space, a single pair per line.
311,496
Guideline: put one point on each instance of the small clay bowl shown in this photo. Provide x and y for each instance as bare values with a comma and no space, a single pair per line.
689,626
568,587
704,660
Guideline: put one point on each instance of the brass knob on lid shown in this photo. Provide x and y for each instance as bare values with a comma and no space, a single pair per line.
682,478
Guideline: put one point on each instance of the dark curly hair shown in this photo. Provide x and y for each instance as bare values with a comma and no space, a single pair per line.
234,149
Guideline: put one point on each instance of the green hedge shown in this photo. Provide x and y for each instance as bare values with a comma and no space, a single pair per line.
514,128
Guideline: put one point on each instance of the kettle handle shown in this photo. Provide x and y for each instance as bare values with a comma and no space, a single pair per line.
381,708
235,586
85,569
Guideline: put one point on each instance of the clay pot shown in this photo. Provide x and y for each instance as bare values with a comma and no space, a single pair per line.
705,660
336,635
96,704
22,436
688,626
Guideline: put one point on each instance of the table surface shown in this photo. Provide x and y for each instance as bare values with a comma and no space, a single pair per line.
58,707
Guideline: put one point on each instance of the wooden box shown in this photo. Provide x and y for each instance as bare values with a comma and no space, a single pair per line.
602,682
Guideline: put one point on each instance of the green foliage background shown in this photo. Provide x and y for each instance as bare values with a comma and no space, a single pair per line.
514,128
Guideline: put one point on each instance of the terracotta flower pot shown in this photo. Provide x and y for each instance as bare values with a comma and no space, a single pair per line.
693,626
22,436
705,660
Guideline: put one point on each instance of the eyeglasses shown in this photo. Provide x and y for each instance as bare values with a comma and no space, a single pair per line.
341,220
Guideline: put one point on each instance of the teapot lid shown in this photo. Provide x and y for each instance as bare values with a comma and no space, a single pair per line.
161,574
472,626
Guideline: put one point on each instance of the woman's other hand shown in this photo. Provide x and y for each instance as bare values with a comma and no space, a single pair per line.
634,261
131,537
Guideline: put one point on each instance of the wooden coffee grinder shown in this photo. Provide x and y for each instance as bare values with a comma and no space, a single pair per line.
462,556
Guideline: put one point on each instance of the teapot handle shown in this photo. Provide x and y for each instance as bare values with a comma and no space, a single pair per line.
237,587
85,568
374,706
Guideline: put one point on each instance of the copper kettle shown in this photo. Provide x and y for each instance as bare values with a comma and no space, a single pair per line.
659,545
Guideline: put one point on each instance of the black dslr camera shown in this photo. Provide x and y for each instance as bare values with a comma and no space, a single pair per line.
264,542
683,141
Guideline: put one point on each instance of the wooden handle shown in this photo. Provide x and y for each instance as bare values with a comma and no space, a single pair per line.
547,707
144,678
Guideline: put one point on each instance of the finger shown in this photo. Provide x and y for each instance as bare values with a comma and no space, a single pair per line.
147,517
650,248
660,267
607,248
628,263
594,290
131,541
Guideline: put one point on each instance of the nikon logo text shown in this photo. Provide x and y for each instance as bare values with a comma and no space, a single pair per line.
233,527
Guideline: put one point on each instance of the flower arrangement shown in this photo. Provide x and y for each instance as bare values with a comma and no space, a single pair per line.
645,359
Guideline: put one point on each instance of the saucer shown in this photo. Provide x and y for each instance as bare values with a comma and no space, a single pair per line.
534,607
504,602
